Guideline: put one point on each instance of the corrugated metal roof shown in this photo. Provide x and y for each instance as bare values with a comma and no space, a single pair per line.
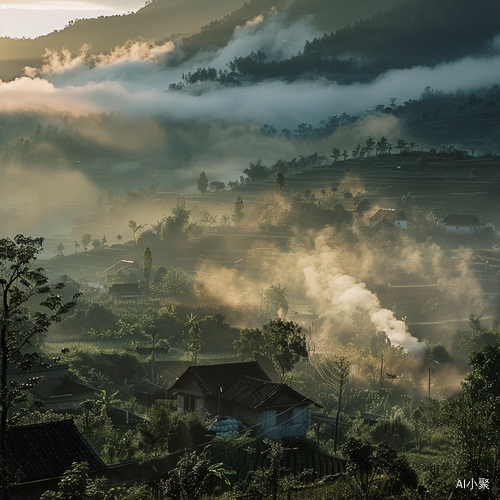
210,378
389,214
255,393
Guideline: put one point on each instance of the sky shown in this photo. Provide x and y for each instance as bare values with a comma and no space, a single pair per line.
31,18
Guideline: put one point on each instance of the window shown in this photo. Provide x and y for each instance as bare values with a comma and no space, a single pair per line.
285,417
189,403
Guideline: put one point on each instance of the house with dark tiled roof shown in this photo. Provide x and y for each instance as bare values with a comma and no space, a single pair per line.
276,409
47,450
464,224
57,390
396,217
245,392
125,291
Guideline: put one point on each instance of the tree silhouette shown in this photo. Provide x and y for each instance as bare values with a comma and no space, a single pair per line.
202,183
147,264
21,284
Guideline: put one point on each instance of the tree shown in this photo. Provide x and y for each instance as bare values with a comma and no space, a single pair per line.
483,380
119,238
362,204
382,145
147,264
216,186
402,145
202,183
274,302
132,224
432,309
194,342
76,484
250,342
59,250
366,462
177,284
192,477
77,246
279,181
86,239
239,213
257,172
335,154
335,372
157,428
96,244
284,344
21,327
370,144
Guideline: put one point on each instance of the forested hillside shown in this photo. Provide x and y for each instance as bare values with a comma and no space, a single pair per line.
416,32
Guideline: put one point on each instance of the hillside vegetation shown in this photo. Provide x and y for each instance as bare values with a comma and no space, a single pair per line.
208,24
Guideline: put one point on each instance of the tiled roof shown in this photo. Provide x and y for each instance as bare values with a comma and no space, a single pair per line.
255,393
461,220
47,450
122,418
389,214
125,290
211,377
372,417
71,287
147,387
122,264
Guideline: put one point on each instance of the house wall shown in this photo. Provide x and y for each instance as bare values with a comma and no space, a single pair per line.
460,229
402,224
297,419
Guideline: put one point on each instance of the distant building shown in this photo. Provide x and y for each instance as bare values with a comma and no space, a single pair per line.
125,291
244,392
123,419
396,217
57,391
123,271
69,290
147,393
464,224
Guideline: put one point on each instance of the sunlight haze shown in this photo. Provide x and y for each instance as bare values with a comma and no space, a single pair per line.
20,19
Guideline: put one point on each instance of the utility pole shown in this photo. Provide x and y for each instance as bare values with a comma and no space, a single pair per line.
429,387
218,401
382,371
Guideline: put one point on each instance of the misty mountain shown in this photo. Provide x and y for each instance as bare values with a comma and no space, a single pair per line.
199,25
158,20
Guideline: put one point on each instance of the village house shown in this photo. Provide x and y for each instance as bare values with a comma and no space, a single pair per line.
396,217
56,391
464,224
70,288
244,391
125,291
